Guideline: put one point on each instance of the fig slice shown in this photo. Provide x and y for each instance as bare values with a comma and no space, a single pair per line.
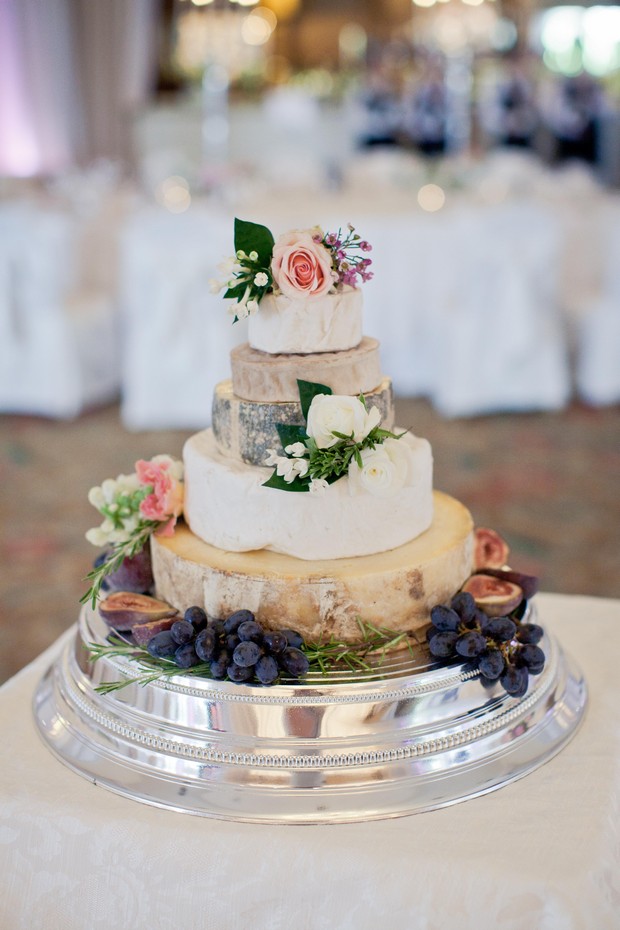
528,583
494,596
124,609
144,632
490,550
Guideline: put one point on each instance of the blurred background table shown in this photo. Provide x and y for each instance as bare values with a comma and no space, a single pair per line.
542,852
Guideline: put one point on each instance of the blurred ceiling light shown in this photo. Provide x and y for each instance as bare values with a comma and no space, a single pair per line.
352,41
173,194
283,9
431,198
268,15
202,2
424,2
256,29
246,2
473,2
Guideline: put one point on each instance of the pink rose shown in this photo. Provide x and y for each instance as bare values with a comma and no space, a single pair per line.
302,267
165,501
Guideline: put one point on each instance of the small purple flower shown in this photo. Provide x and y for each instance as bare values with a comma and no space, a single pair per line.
365,246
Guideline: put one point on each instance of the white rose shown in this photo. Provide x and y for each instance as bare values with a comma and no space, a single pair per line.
385,470
339,413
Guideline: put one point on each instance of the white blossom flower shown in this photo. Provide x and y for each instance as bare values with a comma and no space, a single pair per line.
97,537
339,413
286,468
296,449
385,469
318,486
96,498
300,467
261,279
252,306
215,286
271,457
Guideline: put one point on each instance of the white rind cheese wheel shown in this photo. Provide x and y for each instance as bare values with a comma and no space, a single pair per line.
246,429
394,589
227,506
259,376
330,323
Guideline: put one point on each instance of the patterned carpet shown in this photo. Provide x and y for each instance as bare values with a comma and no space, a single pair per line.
548,482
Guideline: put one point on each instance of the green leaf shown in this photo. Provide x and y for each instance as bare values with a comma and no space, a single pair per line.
308,390
277,481
252,237
237,291
290,433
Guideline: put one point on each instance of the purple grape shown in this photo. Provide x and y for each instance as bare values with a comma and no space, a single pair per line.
182,632
293,661
185,656
162,645
530,633
196,616
250,631
491,664
501,629
267,670
275,641
238,673
445,619
232,623
293,638
232,641
514,681
217,626
247,654
469,645
464,604
532,657
206,644
220,665
442,644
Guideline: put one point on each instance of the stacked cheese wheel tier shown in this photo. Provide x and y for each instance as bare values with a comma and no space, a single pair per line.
395,589
246,429
227,505
329,323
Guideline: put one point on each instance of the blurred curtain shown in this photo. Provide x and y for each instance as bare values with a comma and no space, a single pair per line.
71,74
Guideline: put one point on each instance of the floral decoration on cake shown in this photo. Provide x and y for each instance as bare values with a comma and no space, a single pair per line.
133,507
301,263
342,437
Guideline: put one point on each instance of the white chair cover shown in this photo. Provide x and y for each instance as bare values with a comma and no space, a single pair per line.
598,348
58,346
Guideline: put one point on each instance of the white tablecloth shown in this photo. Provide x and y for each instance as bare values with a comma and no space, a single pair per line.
540,854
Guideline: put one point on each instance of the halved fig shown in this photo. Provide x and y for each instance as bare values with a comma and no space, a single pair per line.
493,595
490,550
124,609
144,632
527,583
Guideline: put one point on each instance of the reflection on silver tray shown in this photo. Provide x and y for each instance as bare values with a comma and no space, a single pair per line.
334,749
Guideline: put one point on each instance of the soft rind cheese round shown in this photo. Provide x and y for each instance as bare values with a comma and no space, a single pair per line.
246,429
330,323
394,589
227,505
259,376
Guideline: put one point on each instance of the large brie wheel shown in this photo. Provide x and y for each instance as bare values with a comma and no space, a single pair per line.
329,323
395,589
227,505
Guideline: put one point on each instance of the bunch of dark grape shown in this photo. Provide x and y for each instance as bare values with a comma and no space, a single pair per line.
502,648
237,649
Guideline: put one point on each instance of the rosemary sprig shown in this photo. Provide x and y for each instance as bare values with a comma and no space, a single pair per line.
120,551
367,655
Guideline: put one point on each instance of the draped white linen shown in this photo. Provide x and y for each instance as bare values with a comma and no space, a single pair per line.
543,852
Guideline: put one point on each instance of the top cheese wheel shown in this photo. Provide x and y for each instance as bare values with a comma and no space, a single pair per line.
330,323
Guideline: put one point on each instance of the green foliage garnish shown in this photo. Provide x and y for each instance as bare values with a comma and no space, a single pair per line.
119,552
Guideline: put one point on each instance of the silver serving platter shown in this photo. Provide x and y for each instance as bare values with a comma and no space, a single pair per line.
410,736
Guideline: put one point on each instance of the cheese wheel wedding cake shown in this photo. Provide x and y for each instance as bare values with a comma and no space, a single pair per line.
290,625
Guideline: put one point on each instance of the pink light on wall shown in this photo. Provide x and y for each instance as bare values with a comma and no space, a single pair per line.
39,110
